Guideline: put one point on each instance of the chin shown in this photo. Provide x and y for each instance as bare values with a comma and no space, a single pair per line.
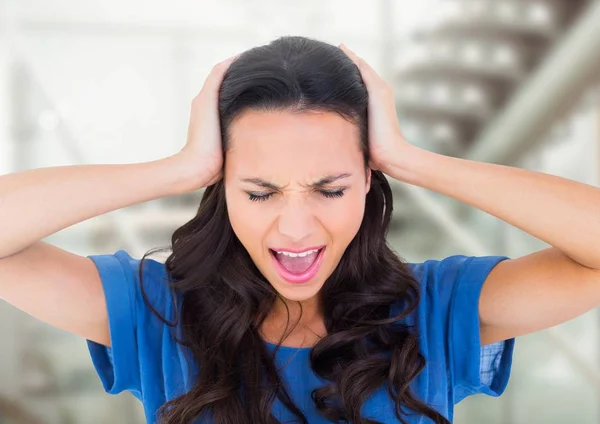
297,292
296,297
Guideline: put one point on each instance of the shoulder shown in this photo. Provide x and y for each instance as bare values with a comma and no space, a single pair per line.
139,303
448,324
140,285
441,277
450,285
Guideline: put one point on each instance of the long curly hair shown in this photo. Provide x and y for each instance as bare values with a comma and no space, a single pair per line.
225,299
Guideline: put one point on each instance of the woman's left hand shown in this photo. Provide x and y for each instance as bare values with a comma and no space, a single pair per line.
387,145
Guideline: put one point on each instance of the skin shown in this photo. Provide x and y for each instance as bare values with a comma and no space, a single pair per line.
519,296
292,151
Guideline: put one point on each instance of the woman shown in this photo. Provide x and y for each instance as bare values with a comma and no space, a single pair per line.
281,300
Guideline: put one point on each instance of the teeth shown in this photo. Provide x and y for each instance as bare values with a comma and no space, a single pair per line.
295,255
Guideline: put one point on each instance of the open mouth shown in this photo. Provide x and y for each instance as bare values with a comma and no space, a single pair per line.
298,267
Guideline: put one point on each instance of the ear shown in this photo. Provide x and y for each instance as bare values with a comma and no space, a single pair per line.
368,179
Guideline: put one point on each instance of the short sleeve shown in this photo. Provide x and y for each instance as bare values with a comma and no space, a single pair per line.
475,368
130,321
449,328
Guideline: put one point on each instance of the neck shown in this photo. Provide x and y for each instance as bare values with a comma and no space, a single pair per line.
306,311
305,323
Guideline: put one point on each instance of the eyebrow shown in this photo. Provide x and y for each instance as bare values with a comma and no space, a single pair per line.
319,183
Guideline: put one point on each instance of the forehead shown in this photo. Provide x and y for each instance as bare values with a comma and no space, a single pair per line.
293,144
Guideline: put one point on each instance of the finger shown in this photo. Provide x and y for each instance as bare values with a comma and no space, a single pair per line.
359,61
350,54
218,71
370,76
373,166
215,77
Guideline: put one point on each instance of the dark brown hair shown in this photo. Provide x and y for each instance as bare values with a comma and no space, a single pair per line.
225,298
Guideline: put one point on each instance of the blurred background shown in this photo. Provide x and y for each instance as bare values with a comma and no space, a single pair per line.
513,82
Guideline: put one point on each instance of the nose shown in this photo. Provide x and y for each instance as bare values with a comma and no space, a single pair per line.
296,222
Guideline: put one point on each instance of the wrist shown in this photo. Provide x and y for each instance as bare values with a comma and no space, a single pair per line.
407,162
187,174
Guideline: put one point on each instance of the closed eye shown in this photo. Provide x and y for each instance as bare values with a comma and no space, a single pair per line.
332,193
261,197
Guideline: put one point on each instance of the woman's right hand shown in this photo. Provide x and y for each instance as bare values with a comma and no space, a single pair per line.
40,202
203,152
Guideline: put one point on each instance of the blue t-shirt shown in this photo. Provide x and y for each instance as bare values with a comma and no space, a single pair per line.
145,359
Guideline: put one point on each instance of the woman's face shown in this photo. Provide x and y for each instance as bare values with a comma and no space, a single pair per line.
295,187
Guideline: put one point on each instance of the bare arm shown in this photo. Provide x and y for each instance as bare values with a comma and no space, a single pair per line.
55,286
64,289
37,203
522,295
